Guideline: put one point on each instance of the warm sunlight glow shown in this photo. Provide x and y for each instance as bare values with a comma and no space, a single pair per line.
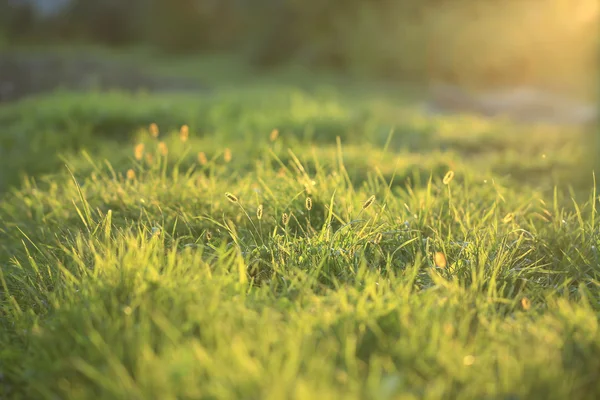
551,44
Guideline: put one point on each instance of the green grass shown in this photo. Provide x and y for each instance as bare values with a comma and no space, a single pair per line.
162,287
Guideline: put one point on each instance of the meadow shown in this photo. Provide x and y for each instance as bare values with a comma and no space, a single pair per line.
292,236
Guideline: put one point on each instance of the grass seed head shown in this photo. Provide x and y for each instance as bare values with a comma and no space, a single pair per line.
448,177
130,174
202,158
139,151
440,260
449,329
149,159
163,149
469,360
525,303
227,155
184,133
208,236
369,202
308,203
285,218
231,197
259,211
378,238
154,130
508,218
274,135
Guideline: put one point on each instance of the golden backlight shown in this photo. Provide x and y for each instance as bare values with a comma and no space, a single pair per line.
550,44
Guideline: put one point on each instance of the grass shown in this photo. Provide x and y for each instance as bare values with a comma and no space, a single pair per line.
160,272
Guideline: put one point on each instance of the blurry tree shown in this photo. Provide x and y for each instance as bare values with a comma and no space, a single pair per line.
509,42
16,20
113,22
183,25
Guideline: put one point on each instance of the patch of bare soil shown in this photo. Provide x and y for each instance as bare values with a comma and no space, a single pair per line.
22,75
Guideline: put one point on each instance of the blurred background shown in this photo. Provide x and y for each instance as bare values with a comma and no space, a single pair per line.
474,43
350,68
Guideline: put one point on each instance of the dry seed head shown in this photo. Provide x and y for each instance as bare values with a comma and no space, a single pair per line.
508,218
139,151
130,174
308,203
202,158
231,197
285,218
369,202
440,260
448,329
540,216
378,238
163,149
154,130
227,155
184,133
274,135
469,360
259,211
525,303
448,177
208,236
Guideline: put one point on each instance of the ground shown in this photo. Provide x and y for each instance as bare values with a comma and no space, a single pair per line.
301,237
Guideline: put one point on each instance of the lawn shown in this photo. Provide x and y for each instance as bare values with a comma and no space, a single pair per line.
292,238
